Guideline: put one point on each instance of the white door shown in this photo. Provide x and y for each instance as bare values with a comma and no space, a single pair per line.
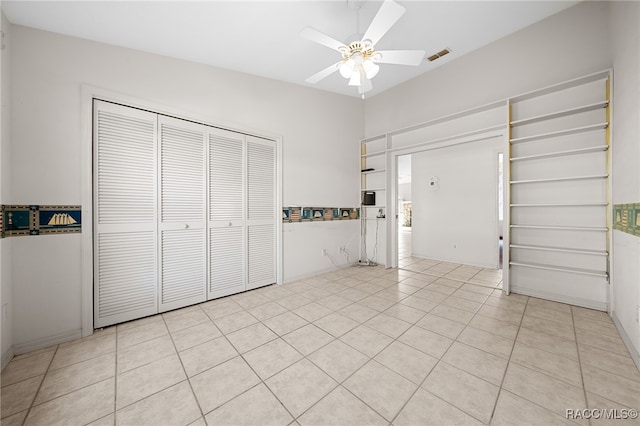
227,217
125,272
261,212
182,213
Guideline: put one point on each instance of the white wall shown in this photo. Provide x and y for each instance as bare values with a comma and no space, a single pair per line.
6,297
320,155
327,235
404,191
570,44
456,219
625,45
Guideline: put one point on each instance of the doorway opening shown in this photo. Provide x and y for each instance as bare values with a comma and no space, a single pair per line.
404,206
500,208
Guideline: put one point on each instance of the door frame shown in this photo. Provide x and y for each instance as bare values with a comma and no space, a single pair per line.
392,199
87,95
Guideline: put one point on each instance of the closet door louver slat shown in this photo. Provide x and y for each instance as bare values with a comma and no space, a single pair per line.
227,246
125,264
226,176
182,209
226,261
261,229
183,272
183,212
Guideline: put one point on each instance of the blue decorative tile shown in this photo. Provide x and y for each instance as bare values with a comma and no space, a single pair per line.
38,220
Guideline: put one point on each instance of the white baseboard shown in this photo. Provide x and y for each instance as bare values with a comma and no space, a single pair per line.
34,345
577,301
627,342
6,357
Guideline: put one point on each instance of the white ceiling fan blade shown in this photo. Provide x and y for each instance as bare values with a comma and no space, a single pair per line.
388,14
321,38
400,57
323,74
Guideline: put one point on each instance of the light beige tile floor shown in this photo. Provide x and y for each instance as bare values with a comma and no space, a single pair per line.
424,344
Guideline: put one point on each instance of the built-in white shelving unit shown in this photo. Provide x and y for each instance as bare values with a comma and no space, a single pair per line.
559,139
373,175
373,179
556,183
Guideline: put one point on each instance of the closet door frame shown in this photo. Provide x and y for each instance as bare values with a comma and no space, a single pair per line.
88,94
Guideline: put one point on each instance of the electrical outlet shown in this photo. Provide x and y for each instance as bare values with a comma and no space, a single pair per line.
324,252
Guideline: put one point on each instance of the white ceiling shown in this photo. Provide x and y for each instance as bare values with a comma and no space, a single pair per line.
262,37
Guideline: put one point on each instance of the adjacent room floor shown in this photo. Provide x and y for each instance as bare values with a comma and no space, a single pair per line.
432,343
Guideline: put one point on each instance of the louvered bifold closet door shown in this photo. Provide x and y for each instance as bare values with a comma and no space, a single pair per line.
125,242
261,212
227,237
182,213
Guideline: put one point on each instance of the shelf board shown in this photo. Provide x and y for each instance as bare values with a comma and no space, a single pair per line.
562,228
558,114
558,133
560,179
372,190
591,272
561,205
562,153
560,249
373,154
597,76
370,172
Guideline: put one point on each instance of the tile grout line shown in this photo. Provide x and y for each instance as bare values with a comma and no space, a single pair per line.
341,384
382,288
184,370
441,360
504,376
241,355
31,405
584,388
115,381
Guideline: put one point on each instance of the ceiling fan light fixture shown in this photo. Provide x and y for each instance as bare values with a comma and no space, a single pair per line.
346,68
370,68
360,61
355,79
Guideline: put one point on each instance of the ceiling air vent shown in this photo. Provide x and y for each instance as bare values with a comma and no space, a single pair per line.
438,55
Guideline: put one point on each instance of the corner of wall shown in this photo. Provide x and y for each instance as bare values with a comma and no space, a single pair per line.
625,251
6,290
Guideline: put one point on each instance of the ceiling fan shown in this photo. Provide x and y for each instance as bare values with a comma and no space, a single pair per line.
360,60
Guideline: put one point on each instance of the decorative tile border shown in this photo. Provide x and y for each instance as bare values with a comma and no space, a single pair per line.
40,220
626,218
318,214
